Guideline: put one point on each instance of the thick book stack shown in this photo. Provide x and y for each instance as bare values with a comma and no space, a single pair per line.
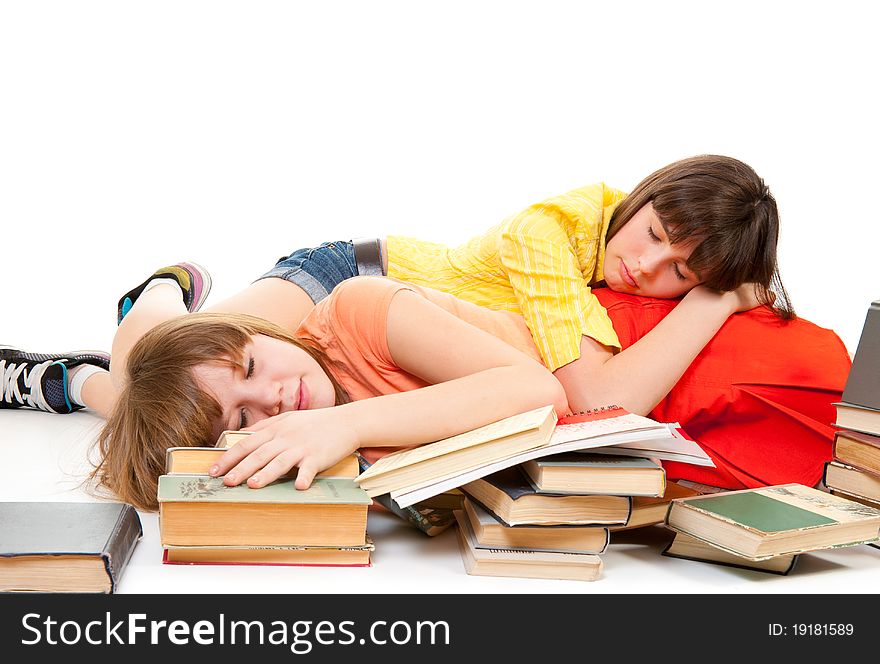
203,521
855,470
551,517
765,529
66,547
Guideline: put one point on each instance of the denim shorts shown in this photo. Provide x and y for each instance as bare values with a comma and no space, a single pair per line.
318,270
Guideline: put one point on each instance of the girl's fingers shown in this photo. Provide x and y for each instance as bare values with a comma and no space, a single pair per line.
253,462
233,455
305,475
274,469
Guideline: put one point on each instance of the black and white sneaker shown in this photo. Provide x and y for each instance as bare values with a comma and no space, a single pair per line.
40,380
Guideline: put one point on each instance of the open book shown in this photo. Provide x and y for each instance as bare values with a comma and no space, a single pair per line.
680,447
419,473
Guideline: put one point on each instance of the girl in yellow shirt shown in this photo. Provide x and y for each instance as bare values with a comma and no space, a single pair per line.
703,228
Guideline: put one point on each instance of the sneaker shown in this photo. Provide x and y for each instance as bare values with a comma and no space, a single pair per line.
194,280
40,380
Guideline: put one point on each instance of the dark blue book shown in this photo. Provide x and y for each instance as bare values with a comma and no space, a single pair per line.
66,547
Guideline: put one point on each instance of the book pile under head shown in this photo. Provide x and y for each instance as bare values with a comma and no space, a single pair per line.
202,520
767,528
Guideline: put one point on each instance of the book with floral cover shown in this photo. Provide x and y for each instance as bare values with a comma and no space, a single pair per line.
197,510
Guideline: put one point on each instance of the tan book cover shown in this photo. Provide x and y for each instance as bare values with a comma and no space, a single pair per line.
507,436
523,563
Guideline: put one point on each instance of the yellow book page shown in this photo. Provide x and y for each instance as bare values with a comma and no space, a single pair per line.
509,426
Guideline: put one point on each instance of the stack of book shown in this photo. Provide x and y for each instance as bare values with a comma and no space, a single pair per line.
551,517
765,529
534,508
203,521
855,469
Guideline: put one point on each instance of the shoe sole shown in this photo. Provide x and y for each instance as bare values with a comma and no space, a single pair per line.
201,284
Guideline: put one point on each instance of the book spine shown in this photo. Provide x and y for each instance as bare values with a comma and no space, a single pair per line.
121,544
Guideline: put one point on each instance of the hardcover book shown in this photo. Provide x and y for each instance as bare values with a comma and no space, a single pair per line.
856,449
859,499
774,520
66,547
857,418
199,510
319,556
852,481
523,563
198,461
492,534
690,548
863,384
230,437
585,473
649,511
511,498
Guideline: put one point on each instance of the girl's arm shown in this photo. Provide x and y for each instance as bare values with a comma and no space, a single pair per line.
475,379
640,376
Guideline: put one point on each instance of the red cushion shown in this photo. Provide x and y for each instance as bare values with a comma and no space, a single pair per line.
758,398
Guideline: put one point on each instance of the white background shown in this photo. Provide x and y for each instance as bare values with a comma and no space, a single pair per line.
134,135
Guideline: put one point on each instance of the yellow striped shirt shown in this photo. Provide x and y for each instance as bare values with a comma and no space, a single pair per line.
539,263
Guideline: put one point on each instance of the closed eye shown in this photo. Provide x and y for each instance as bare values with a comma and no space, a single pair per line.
250,368
678,273
652,234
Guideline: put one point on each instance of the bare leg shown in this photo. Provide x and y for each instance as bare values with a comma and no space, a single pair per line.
99,393
161,303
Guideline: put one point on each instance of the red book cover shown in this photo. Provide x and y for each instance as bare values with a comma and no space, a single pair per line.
604,413
165,561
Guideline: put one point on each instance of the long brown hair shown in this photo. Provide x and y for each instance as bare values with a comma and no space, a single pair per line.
162,405
723,205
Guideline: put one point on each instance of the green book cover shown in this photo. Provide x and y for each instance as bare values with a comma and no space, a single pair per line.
587,460
205,489
781,508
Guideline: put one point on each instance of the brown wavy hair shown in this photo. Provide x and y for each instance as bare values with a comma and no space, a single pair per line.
722,204
162,405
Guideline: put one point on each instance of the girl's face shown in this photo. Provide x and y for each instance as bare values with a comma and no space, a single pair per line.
273,377
640,260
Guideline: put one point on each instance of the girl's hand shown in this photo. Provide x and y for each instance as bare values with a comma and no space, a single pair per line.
747,297
741,299
311,440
